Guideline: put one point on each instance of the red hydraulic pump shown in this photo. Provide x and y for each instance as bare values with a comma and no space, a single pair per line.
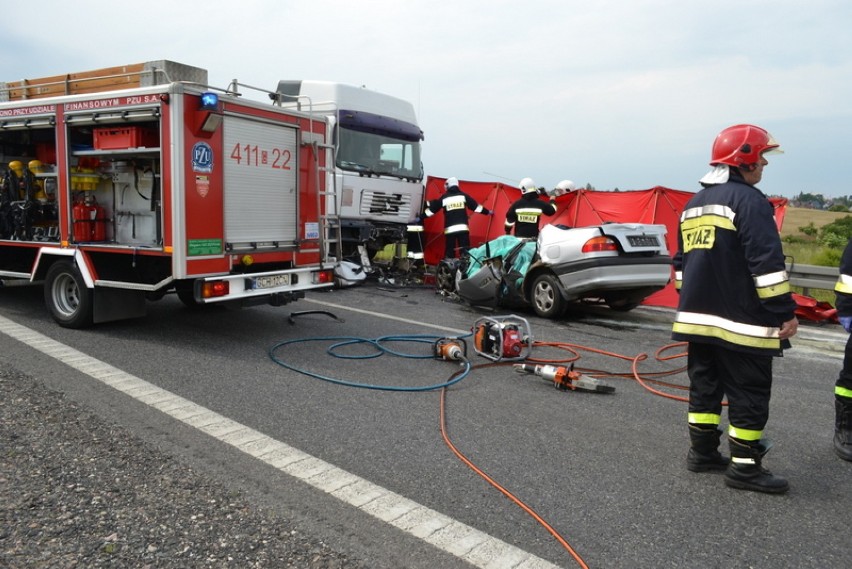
505,338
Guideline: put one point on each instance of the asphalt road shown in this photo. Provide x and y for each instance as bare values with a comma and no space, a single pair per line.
606,472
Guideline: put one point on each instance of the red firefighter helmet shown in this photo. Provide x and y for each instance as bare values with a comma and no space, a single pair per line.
742,145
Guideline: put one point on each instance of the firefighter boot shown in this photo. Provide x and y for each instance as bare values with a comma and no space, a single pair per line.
704,453
843,427
746,471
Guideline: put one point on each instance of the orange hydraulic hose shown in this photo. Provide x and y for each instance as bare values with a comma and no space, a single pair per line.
495,484
575,355
667,347
638,378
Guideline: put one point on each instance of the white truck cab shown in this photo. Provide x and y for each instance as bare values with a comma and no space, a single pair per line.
378,171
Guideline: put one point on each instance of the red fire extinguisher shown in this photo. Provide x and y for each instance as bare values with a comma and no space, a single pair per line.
98,222
89,221
82,229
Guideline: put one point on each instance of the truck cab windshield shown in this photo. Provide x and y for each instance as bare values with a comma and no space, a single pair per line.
372,154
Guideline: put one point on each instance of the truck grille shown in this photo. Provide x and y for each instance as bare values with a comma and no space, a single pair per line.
383,204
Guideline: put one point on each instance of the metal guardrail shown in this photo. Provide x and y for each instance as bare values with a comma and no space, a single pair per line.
812,276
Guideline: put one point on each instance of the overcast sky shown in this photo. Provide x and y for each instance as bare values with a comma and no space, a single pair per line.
625,94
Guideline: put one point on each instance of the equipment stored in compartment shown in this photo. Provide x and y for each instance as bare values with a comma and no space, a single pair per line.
124,184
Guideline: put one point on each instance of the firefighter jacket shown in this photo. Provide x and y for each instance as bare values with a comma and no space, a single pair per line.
525,214
843,288
455,204
730,271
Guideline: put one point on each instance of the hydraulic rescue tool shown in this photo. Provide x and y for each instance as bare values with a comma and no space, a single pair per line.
566,378
450,349
502,338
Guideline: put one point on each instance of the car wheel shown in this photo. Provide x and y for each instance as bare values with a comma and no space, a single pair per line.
445,279
67,297
547,299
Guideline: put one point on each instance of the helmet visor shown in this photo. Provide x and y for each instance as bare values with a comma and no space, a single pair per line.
772,146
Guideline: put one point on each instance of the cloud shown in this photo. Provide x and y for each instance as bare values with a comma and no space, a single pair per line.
616,93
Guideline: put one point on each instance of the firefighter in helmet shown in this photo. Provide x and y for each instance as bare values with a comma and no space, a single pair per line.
843,385
735,309
524,216
563,187
455,204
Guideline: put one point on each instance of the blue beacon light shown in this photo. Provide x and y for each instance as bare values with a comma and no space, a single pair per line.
209,101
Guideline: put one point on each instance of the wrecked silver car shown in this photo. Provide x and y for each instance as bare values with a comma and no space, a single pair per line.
617,264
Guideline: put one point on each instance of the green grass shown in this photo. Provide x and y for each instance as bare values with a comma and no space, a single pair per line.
807,254
803,253
804,249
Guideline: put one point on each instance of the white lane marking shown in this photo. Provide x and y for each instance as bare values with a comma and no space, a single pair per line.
386,316
473,546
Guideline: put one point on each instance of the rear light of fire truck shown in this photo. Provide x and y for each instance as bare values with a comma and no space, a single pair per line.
599,245
323,277
212,289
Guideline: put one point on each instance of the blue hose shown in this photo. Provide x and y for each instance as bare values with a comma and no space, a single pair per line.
381,349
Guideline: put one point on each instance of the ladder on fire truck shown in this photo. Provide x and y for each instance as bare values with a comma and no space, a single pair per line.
332,245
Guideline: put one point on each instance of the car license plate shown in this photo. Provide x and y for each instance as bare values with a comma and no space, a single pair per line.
270,281
643,240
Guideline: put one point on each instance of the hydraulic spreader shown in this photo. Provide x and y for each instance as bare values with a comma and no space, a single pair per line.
566,378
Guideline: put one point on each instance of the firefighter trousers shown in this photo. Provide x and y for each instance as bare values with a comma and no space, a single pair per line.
844,380
745,379
460,239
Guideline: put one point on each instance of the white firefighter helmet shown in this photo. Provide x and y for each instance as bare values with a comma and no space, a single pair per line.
566,186
527,185
451,182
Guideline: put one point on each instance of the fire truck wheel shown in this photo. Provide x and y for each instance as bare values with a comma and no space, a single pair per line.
546,298
69,300
187,297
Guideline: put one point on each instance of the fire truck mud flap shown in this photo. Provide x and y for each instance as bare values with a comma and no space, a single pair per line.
72,304
118,304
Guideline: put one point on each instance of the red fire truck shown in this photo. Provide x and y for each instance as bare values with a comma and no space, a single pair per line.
121,185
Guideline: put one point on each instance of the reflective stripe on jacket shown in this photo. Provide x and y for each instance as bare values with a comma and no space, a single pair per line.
525,215
730,271
455,204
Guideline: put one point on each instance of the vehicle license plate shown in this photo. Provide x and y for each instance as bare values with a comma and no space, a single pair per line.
270,281
643,240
